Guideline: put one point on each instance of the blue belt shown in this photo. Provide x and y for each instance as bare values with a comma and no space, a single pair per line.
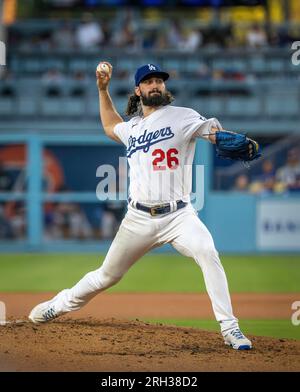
158,209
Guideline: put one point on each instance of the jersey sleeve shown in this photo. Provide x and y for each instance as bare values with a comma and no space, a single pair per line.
121,130
195,125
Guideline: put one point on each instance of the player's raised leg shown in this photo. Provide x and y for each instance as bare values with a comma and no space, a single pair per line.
132,241
193,239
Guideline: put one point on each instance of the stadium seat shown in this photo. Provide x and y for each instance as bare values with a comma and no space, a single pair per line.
192,65
92,108
121,104
172,64
77,64
27,106
126,64
7,105
282,105
240,106
275,65
219,63
7,98
52,106
74,106
208,106
257,64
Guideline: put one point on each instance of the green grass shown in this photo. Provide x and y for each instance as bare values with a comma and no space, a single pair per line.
272,328
153,273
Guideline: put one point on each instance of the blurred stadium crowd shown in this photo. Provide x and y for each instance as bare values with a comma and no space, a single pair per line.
237,72
128,30
80,222
272,179
68,221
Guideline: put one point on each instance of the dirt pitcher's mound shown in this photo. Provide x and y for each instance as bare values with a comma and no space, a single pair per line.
113,345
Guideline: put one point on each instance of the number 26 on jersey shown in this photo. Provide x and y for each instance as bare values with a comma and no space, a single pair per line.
163,159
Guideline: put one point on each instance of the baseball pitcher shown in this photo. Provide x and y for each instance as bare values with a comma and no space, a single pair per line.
160,140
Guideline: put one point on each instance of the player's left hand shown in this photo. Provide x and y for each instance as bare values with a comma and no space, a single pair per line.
236,146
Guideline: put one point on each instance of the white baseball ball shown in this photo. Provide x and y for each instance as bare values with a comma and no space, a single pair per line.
102,67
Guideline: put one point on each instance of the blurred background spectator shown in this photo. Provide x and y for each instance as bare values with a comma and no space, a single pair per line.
68,221
257,37
5,186
63,38
89,33
289,174
241,183
53,82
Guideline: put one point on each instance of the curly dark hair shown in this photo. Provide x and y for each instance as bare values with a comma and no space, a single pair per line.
134,103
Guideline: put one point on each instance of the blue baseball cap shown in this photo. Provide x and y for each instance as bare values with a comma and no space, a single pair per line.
147,70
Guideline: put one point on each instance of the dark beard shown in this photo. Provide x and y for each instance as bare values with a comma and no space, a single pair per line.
155,100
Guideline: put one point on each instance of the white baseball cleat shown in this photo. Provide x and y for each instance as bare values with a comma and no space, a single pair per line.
237,340
43,313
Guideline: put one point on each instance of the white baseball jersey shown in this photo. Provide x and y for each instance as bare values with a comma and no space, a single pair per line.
160,152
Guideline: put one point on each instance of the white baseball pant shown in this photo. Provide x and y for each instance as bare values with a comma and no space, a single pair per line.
139,233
